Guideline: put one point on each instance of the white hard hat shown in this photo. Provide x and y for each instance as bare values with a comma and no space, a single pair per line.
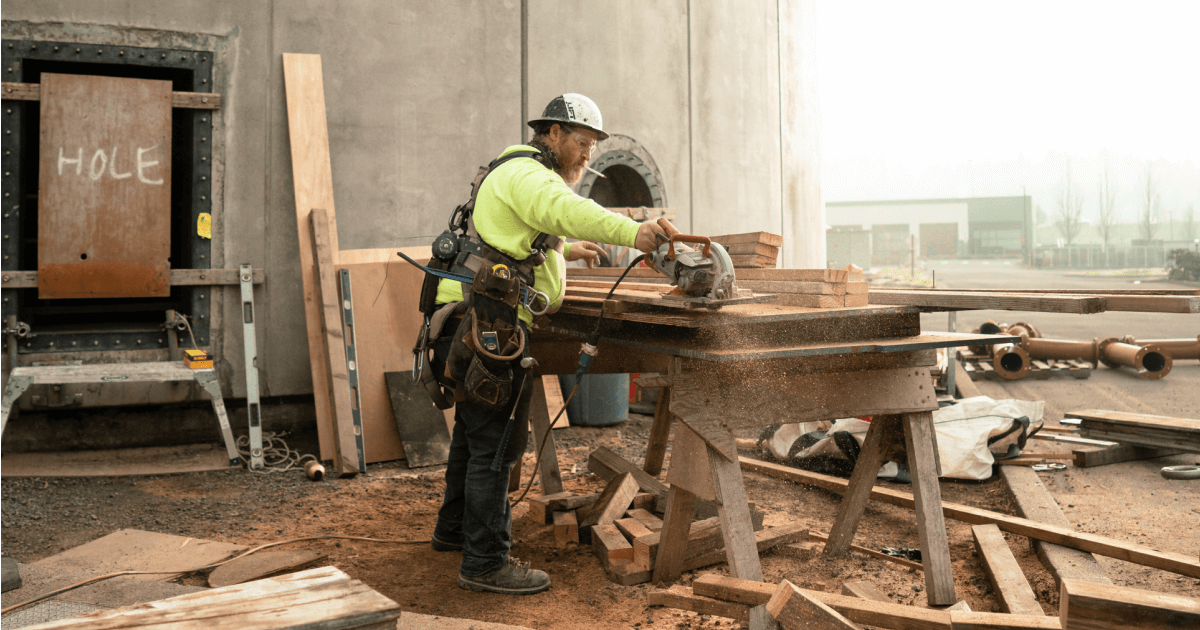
574,109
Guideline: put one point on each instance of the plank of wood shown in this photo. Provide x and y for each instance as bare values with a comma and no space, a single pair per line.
1008,581
542,509
543,439
1139,429
921,443
1123,418
1144,437
865,590
677,520
1035,503
1071,439
1087,606
632,528
153,460
701,536
610,546
681,597
183,100
794,286
869,612
613,501
421,425
555,402
806,300
689,461
626,285
138,550
1118,453
566,528
765,540
607,464
1094,543
752,260
312,182
260,565
965,300
660,432
857,301
736,526
350,460
857,288
1152,303
754,249
794,609
767,238
652,522
318,598
963,383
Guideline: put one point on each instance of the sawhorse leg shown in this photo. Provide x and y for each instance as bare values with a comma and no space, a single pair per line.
208,380
921,446
539,421
660,431
17,384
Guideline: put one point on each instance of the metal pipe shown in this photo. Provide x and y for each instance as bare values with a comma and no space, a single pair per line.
1150,362
986,328
1021,329
1063,349
1011,361
1178,348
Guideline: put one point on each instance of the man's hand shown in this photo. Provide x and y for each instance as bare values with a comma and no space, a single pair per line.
586,250
646,239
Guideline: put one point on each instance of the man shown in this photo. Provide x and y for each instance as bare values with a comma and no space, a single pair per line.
519,201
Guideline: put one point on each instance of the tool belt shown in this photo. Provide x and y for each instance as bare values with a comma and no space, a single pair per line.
489,341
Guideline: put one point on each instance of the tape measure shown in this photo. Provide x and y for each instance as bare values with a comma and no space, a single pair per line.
501,270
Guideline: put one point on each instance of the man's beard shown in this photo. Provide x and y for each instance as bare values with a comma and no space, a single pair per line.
572,173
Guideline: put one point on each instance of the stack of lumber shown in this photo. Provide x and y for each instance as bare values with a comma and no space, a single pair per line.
1139,429
758,250
809,288
317,598
1083,606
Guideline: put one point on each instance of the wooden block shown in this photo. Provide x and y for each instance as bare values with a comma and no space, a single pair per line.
260,565
854,273
613,502
541,508
1117,453
865,590
643,501
1088,606
681,597
610,546
761,249
856,288
796,610
1012,589
767,238
566,528
812,301
752,260
793,286
632,528
652,522
317,598
804,551
607,464
702,536
857,300
765,540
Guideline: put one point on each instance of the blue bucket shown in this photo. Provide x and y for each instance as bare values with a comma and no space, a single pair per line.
602,399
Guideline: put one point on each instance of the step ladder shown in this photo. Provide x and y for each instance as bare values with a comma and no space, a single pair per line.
158,372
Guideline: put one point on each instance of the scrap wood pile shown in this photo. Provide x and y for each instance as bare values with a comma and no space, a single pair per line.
1149,358
623,523
1043,300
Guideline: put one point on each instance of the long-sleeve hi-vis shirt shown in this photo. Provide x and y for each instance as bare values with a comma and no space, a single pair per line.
522,199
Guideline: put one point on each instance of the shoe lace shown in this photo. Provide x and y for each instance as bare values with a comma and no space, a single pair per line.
520,567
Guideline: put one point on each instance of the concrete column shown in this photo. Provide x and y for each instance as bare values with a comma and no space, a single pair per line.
802,209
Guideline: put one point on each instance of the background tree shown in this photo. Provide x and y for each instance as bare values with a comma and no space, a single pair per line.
1108,203
1070,211
1189,217
1148,221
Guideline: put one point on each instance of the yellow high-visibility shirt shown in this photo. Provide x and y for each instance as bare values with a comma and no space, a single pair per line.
521,199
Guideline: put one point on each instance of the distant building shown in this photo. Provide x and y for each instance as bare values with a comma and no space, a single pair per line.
877,233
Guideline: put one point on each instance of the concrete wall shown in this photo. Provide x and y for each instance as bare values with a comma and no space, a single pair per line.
419,94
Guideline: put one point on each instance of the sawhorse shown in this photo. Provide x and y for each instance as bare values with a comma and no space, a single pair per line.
22,377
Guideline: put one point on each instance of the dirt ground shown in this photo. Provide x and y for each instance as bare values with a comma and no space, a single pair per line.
43,516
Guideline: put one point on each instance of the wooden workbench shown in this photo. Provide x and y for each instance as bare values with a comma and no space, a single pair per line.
763,364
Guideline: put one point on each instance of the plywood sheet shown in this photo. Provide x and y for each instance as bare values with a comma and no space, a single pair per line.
260,565
387,319
104,187
137,550
422,426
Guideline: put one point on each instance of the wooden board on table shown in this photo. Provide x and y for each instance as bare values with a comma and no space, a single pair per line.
1093,543
421,425
260,565
387,319
151,460
966,300
137,550
312,182
1087,606
317,598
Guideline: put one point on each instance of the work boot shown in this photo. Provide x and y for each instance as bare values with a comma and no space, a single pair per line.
441,545
514,578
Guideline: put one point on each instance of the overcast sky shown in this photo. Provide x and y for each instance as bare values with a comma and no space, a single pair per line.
966,98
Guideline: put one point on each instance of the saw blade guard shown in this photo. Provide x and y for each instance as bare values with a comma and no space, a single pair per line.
698,273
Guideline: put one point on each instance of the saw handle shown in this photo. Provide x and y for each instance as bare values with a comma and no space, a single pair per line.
688,238
667,227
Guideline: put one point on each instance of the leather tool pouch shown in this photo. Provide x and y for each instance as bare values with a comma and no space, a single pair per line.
488,341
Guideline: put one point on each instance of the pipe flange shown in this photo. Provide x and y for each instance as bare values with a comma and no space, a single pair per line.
1154,362
1010,361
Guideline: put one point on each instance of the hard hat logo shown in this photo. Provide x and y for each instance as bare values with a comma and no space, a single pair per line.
575,109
